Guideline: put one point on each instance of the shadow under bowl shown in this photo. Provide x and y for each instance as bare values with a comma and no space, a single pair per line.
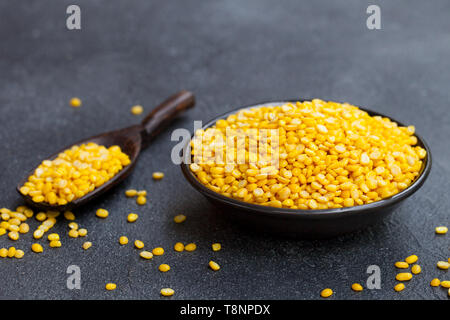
308,224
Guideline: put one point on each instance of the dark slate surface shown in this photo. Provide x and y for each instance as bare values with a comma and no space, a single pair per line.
230,53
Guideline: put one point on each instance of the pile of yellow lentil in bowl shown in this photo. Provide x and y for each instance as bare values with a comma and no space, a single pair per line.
329,158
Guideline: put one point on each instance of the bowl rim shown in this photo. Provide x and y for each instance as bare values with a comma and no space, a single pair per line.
310,213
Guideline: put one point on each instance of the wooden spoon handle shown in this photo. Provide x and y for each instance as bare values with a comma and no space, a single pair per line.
161,116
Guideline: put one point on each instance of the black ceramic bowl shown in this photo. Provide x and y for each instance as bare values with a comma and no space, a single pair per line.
309,224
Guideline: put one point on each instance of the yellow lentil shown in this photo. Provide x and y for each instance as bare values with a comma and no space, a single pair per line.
2,231
14,221
141,200
146,255
357,287
41,216
164,267
441,230
21,209
445,284
5,216
179,247
43,228
8,215
55,244
28,213
21,217
179,218
132,217
327,154
68,215
82,232
19,254
142,193
4,225
158,175
416,269
37,234
13,235
102,213
401,265
325,293
74,173
131,193
158,251
123,240
110,286
37,198
73,225
50,222
136,110
75,102
214,265
190,247
444,265
11,252
399,287
167,292
73,233
87,245
403,276
412,259
53,237
24,228
3,253
435,282
216,246
138,244
13,227
36,247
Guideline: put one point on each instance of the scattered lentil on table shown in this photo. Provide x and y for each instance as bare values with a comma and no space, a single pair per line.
214,265
164,267
75,102
167,292
357,287
158,175
110,286
102,213
179,218
123,240
325,293
411,259
136,110
399,287
441,230
146,255
132,217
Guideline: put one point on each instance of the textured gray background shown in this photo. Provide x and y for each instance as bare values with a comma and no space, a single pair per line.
230,53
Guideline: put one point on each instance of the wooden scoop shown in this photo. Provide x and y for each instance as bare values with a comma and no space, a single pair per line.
131,140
